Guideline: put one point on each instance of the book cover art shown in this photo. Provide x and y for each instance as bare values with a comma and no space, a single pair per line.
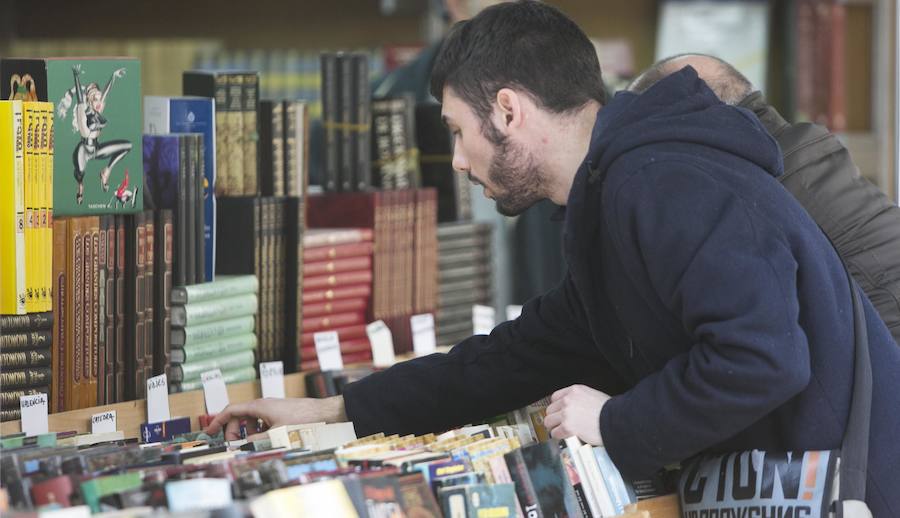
97,120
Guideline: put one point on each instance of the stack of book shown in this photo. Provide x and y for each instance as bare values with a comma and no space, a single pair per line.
213,328
283,148
337,289
25,354
396,164
465,272
404,262
346,116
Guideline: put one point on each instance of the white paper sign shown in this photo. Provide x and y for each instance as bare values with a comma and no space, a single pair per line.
158,399
214,391
271,378
482,319
513,311
104,422
34,414
424,341
382,344
80,511
328,350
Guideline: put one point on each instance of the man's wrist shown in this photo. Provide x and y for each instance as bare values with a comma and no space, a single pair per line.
335,412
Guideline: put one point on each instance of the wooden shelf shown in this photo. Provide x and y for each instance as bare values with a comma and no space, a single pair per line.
130,414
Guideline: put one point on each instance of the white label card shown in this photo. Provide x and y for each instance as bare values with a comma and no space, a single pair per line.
158,399
424,341
328,350
271,378
104,422
214,391
34,414
513,311
382,344
482,319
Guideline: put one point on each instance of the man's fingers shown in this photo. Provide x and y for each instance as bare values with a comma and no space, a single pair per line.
233,429
552,420
559,394
235,410
554,407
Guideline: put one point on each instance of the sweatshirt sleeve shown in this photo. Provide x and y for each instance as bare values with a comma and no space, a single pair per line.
548,347
726,272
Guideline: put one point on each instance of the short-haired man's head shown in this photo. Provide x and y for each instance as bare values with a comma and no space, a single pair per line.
724,80
524,45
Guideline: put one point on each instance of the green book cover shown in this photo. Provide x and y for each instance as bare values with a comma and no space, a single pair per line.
95,489
229,375
97,154
223,286
212,310
191,371
203,350
212,331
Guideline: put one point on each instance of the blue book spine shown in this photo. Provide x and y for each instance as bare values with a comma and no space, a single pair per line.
165,430
613,480
198,115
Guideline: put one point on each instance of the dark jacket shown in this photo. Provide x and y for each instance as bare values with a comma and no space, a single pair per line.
861,221
700,294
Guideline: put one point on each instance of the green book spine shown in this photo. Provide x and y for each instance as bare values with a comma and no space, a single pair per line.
210,311
213,330
230,376
191,371
204,350
95,489
223,286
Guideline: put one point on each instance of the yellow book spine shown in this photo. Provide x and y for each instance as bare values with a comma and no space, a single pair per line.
45,244
12,209
30,248
48,201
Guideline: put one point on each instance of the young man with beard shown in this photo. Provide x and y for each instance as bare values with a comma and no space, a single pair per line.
703,309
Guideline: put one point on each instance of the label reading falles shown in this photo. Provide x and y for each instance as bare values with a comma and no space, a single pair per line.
158,399
382,344
214,391
271,378
104,422
34,414
424,341
482,319
328,350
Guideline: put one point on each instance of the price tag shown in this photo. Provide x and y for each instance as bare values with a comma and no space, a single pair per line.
513,311
424,341
382,344
271,378
328,350
158,399
34,414
103,422
214,391
482,319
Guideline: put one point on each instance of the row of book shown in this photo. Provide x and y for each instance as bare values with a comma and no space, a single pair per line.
26,206
346,118
465,277
318,468
26,349
213,328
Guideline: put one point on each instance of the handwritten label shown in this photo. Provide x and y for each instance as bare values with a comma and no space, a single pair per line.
104,422
382,344
34,414
482,319
271,377
513,311
328,350
214,391
424,341
158,399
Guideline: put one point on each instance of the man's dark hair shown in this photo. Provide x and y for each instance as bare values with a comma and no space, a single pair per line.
526,45
724,80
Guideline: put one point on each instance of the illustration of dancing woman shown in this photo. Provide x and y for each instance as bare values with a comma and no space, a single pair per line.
88,121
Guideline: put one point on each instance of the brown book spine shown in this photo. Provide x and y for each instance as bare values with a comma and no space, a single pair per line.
23,340
137,361
102,274
75,327
87,342
60,297
149,287
95,310
109,310
121,234
235,149
163,290
278,286
250,106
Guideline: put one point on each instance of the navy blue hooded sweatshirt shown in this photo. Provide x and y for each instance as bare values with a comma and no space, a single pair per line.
700,294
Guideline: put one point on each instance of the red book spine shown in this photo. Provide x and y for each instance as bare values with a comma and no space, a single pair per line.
338,265
316,324
329,253
337,306
353,346
344,333
358,357
56,490
350,292
318,282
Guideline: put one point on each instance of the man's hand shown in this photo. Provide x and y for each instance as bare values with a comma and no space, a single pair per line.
575,411
277,412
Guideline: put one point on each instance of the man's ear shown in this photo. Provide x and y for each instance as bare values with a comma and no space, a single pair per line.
509,104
